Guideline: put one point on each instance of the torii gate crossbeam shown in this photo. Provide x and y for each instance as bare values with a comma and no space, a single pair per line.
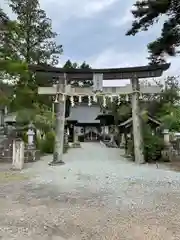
65,77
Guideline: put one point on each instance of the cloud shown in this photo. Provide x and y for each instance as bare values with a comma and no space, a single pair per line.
7,10
174,69
94,31
126,18
66,9
110,58
63,10
119,22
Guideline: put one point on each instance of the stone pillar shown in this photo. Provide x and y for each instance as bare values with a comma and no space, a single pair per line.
75,140
76,143
137,130
123,140
18,154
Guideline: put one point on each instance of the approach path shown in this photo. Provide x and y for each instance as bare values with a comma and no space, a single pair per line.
96,195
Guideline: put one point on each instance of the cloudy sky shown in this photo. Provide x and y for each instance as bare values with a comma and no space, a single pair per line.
94,31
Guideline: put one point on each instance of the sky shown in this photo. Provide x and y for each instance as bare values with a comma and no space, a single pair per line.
94,31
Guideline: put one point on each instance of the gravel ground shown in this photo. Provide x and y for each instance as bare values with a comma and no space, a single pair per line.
96,195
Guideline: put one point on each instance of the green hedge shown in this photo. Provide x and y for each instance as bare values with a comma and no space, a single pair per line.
153,145
46,145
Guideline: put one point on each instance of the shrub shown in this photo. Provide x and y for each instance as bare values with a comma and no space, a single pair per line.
24,137
46,145
153,145
38,142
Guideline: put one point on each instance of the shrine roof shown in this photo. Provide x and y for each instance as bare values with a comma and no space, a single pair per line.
128,122
104,116
108,73
84,114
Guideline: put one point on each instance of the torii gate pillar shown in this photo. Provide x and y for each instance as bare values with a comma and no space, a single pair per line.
137,129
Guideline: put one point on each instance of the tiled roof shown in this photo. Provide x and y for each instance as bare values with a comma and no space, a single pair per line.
84,113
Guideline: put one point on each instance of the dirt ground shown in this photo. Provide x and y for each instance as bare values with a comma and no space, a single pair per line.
96,195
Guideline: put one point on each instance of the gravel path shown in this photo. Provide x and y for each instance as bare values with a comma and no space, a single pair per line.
96,195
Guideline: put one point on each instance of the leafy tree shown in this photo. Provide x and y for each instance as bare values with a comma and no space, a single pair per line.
169,112
153,144
121,111
5,93
84,65
42,117
154,103
165,106
171,117
10,65
34,39
31,41
147,13
70,65
170,93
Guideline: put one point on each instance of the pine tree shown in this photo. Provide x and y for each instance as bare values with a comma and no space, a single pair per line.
147,13
3,21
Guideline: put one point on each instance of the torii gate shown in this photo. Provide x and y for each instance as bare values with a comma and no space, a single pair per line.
63,88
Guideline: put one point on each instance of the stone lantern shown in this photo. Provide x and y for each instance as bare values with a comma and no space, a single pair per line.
166,137
31,136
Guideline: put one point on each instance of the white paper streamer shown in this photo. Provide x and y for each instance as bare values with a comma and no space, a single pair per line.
89,101
104,101
111,98
56,99
119,100
127,98
94,98
72,101
140,96
63,97
80,99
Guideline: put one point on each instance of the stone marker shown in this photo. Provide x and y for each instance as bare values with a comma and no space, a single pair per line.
18,154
